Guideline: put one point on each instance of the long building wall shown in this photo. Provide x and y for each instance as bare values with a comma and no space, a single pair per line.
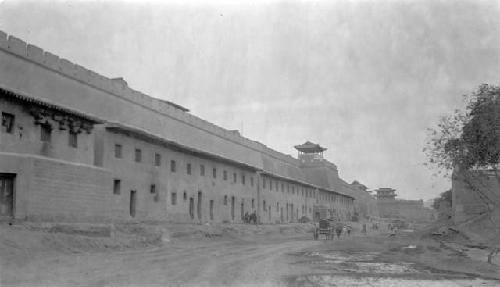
180,178
69,85
218,175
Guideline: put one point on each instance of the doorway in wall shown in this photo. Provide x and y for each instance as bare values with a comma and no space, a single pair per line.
211,209
232,207
287,212
242,209
199,211
191,207
133,199
317,216
7,195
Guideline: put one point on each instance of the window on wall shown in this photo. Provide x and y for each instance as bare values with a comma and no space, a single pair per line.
185,195
270,185
282,187
253,203
224,174
293,189
277,186
225,199
173,198
251,181
277,206
264,205
263,183
152,189
243,179
188,168
172,166
157,159
118,151
73,139
45,132
214,172
138,155
8,123
234,177
202,170
117,186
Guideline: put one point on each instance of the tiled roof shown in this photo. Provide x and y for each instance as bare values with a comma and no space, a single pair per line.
310,147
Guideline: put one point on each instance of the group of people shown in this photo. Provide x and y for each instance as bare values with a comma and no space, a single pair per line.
250,218
393,229
342,228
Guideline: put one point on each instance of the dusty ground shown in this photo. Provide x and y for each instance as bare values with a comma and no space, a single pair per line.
156,254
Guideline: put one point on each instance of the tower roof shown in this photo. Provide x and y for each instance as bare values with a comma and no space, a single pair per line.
309,147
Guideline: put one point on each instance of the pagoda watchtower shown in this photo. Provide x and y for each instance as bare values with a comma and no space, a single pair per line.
386,194
310,152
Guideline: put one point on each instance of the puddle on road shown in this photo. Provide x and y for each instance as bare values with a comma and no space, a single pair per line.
363,269
381,268
346,281
357,262
343,256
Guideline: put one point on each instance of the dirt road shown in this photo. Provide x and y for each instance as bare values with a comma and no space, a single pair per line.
189,263
235,260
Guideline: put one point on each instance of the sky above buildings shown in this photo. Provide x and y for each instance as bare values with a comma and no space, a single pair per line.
363,78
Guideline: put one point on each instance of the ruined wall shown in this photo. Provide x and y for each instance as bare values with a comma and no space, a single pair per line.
475,193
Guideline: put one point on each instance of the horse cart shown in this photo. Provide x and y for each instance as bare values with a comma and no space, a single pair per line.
324,227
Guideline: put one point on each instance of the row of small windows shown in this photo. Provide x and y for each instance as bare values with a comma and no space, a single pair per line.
333,198
289,187
173,168
173,165
8,121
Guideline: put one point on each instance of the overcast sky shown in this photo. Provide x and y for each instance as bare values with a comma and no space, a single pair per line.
364,79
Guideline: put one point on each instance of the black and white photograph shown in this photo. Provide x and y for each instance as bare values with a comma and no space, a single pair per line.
288,143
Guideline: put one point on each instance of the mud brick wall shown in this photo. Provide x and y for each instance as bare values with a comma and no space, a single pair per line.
68,192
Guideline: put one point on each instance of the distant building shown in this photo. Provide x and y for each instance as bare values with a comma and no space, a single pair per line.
77,146
409,210
365,204
385,193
